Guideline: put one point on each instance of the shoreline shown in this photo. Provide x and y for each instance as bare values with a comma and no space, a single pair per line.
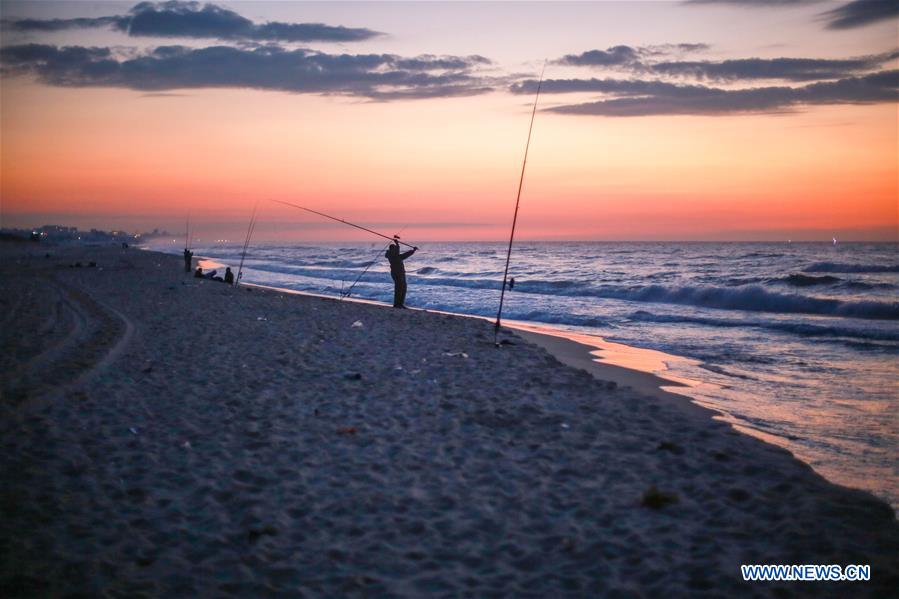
581,352
252,442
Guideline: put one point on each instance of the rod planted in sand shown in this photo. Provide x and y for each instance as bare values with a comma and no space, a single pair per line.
346,222
502,293
187,238
246,244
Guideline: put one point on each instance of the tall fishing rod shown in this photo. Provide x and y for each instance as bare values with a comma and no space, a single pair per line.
340,220
502,294
246,244
187,232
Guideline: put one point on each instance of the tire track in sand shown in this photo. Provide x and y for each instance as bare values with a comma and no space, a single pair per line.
97,336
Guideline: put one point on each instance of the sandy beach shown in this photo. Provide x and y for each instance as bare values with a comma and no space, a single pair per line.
168,436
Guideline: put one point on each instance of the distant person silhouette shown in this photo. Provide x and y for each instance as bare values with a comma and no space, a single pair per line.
229,276
398,272
188,256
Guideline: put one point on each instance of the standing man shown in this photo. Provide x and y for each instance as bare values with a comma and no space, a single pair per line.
398,271
188,256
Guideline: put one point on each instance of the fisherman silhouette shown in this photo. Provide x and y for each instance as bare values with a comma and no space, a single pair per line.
398,271
188,256
229,276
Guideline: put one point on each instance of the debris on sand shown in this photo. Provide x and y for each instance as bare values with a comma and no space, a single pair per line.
670,446
254,534
655,499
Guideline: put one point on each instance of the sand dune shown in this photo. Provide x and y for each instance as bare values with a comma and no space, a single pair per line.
168,436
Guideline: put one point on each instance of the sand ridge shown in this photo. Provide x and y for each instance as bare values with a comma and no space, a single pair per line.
199,439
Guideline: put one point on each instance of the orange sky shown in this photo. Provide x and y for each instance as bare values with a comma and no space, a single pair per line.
447,168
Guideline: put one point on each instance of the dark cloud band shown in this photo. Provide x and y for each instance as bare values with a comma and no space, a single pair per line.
51,25
860,13
648,98
626,56
614,56
192,20
645,61
789,69
755,3
857,13
376,76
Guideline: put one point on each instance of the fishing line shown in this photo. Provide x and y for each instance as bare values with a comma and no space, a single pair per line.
502,294
347,293
346,222
370,264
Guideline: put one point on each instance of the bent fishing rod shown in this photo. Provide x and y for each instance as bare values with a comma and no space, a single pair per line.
395,238
502,294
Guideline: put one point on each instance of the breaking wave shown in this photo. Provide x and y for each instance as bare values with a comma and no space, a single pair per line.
750,298
580,320
756,299
845,267
800,280
796,328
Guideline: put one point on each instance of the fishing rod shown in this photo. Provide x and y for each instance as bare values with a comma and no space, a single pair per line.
246,244
395,238
502,294
187,232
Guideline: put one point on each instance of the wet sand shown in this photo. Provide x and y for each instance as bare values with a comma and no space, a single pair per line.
576,351
168,436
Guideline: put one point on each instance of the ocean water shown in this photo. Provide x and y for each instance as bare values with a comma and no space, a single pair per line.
797,343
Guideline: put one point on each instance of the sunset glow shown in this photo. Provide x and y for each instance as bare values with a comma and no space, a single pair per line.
447,167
